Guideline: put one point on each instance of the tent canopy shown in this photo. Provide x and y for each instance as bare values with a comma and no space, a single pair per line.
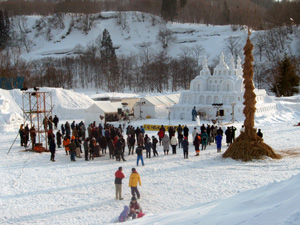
98,109
155,106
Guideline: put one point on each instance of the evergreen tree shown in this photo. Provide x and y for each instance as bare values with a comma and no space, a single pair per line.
109,62
286,80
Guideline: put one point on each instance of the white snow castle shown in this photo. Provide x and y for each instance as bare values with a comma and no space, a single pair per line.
224,90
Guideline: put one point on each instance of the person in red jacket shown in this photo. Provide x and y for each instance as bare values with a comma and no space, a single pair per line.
160,134
118,183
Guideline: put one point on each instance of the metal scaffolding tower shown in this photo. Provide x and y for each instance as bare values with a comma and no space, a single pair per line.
37,107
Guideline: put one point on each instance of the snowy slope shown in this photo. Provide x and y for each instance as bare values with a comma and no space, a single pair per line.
275,203
139,34
136,34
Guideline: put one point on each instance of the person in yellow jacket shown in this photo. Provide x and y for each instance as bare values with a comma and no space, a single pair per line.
133,183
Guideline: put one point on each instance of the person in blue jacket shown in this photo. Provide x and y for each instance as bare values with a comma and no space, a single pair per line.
218,139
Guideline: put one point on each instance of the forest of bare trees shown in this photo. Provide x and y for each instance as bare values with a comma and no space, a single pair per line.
143,72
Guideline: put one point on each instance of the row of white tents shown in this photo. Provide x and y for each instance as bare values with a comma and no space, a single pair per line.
69,104
141,108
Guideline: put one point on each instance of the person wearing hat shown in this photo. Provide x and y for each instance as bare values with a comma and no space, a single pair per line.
134,208
133,183
185,147
119,175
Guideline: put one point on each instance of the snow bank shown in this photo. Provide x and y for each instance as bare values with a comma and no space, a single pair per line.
66,105
275,203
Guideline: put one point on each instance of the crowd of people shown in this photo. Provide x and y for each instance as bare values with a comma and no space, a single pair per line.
97,140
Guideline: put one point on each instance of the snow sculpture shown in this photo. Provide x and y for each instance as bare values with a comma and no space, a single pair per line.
4,106
224,86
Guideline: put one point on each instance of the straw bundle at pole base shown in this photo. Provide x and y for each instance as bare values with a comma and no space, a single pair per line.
247,148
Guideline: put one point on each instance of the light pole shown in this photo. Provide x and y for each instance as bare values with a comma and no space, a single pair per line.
232,114
169,114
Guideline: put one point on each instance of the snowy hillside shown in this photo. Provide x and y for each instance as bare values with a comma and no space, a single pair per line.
131,33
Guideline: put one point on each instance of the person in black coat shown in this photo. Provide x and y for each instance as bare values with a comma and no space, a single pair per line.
22,135
186,131
148,146
86,148
171,131
154,143
130,143
137,132
52,148
259,133
55,121
62,129
185,147
58,138
103,144
228,136
179,129
119,150
220,131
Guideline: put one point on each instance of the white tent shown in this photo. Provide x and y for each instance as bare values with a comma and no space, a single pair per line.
155,106
98,109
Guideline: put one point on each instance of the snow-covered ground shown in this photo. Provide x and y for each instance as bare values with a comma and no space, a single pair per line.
199,190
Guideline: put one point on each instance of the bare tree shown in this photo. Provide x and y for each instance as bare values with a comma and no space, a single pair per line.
232,45
260,75
165,37
121,20
260,44
23,29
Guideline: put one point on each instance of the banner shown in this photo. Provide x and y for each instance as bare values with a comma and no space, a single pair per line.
157,127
